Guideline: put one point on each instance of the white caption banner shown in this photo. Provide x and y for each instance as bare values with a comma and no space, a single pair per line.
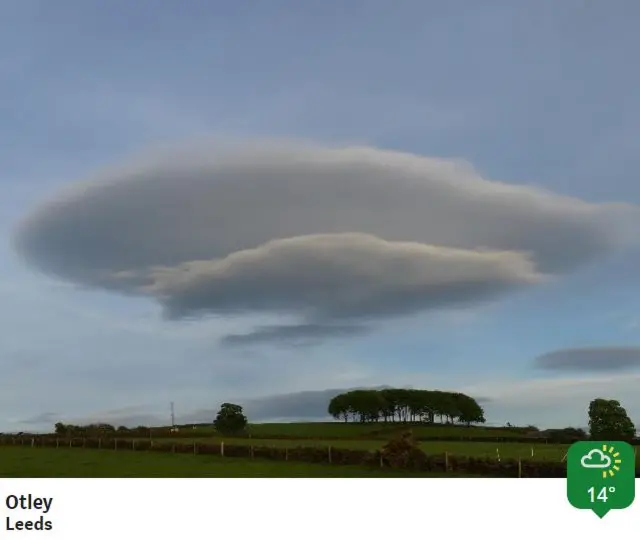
73,509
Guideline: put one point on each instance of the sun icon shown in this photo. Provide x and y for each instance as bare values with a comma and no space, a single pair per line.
614,463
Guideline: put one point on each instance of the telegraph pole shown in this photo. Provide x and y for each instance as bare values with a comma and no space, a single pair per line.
173,417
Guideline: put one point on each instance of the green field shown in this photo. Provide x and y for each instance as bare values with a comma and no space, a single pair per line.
338,430
372,436
17,461
541,452
27,462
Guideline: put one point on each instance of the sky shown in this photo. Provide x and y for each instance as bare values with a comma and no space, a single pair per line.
271,202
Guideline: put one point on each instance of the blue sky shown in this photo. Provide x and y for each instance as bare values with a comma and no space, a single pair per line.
540,94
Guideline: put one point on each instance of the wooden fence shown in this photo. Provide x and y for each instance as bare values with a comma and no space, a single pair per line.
439,463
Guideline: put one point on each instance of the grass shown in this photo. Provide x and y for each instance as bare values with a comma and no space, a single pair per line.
372,436
27,462
541,452
336,430
77,462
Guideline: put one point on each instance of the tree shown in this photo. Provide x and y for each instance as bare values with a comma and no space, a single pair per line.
608,420
338,407
468,410
230,419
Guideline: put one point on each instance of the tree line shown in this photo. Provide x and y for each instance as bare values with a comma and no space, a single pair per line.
406,405
608,419
73,430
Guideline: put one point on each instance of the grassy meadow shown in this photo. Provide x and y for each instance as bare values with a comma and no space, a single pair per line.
24,461
352,430
541,452
27,462
373,436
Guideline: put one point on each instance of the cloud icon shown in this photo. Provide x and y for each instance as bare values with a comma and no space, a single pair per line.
590,461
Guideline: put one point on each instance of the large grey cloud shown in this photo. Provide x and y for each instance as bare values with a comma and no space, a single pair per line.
591,359
323,234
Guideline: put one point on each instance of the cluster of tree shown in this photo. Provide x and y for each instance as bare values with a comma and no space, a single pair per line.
406,405
609,421
230,420
89,429
71,430
568,433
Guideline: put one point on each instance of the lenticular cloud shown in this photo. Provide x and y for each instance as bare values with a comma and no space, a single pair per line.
320,233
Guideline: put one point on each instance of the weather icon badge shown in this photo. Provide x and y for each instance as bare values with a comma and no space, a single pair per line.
601,476
598,459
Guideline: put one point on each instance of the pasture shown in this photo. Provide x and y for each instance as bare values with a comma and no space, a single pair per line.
353,430
373,436
541,452
27,462
68,460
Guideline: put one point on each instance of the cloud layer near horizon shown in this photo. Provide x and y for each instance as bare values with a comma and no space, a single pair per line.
597,359
294,406
541,402
332,236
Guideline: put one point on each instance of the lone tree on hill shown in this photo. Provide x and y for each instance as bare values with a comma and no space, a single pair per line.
608,420
230,419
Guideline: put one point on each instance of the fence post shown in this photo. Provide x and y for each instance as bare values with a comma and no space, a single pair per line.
33,442
251,450
286,454
115,444
195,450
222,448
70,442
84,442
57,442
446,461
330,460
100,442
519,468
133,445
